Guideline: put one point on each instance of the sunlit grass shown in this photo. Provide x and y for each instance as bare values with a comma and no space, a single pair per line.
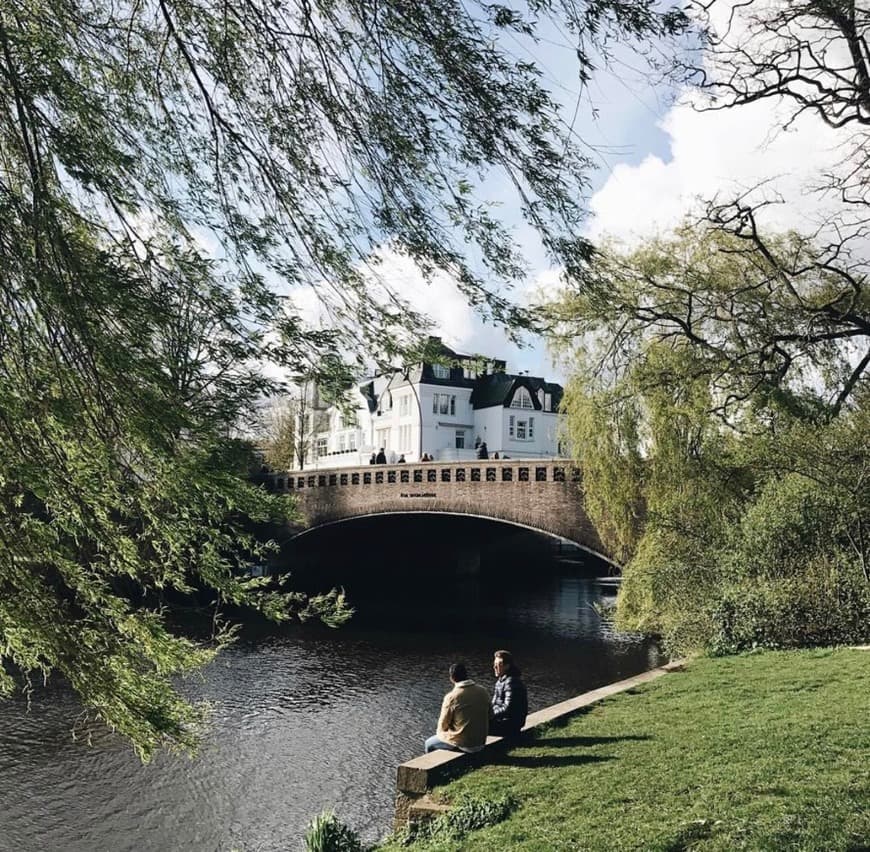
763,752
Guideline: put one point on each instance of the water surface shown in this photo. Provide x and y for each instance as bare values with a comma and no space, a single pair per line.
304,718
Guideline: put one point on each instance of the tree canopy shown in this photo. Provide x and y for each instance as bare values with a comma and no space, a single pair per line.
173,173
719,396
721,420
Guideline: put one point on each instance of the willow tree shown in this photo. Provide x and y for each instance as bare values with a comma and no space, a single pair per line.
173,175
719,408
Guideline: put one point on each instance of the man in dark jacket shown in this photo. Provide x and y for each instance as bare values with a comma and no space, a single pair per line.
510,703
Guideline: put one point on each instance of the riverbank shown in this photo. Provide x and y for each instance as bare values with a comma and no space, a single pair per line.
761,751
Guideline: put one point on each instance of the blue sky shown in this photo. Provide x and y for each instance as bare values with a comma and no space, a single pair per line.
618,117
659,161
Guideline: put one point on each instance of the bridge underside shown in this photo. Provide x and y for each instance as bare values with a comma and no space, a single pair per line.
302,532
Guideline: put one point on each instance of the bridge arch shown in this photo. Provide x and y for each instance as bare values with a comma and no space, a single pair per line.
441,513
544,496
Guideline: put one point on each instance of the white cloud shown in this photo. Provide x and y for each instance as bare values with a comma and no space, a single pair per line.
453,319
721,155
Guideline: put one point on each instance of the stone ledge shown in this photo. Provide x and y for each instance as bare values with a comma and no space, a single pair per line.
425,809
416,777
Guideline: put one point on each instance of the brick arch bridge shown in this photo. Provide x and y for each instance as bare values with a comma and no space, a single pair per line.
541,495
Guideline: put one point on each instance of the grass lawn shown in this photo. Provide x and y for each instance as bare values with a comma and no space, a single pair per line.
762,751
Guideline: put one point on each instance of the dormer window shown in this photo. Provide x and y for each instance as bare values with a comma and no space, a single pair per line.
439,371
522,399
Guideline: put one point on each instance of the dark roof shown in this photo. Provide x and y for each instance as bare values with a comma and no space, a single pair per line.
498,389
491,390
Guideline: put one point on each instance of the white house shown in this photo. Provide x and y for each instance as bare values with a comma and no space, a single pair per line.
445,412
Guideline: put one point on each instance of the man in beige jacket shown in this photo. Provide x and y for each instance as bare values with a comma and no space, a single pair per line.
464,720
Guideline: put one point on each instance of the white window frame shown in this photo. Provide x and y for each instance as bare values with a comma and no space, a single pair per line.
522,399
444,403
460,439
511,426
439,371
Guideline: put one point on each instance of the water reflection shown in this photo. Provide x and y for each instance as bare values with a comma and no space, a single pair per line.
303,718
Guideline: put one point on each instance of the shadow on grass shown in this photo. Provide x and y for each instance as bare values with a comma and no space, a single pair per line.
542,761
579,742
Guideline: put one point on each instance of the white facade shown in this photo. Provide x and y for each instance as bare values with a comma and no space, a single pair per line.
439,411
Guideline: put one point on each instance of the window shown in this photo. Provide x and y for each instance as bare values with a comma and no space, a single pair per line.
548,402
404,405
405,437
443,403
383,438
351,441
460,439
320,447
342,443
523,430
348,420
439,371
522,399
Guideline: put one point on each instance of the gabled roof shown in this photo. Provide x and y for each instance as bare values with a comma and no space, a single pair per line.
499,388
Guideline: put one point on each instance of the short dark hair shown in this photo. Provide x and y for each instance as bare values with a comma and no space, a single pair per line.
458,672
508,659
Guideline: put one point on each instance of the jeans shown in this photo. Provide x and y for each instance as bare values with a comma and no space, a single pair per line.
434,743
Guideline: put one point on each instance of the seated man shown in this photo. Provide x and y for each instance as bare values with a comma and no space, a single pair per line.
464,718
510,703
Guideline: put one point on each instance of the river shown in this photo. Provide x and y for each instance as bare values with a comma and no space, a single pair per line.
303,718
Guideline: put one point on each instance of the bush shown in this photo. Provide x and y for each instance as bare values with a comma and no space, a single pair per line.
468,814
327,833
825,605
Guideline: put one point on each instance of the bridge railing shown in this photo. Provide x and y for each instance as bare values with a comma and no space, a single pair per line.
431,473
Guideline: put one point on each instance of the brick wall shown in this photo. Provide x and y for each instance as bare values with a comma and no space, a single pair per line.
543,495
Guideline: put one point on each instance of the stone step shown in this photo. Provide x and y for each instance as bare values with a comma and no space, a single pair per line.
425,809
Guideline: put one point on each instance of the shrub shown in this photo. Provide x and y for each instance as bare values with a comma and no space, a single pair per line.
826,605
468,814
327,833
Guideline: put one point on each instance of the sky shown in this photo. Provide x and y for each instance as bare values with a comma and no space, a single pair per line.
659,160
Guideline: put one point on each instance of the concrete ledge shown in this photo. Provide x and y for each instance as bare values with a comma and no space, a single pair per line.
416,777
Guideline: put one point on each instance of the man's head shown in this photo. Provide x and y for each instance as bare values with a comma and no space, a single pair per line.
503,663
458,672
